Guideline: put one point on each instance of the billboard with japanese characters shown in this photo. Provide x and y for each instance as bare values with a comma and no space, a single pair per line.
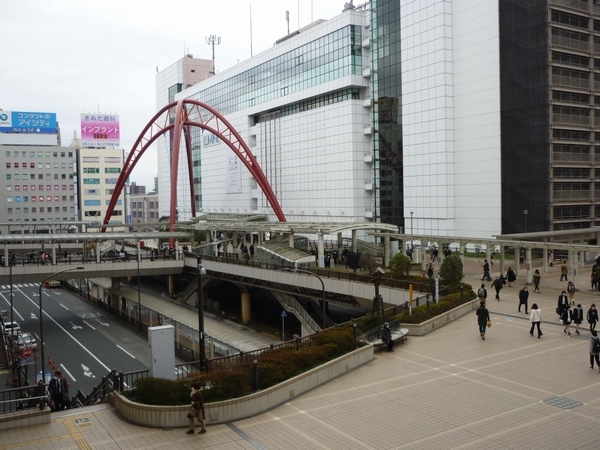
100,130
28,122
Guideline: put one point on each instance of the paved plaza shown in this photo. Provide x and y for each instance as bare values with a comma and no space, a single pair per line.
446,390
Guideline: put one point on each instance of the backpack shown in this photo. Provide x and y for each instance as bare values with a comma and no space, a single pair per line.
481,293
596,347
571,288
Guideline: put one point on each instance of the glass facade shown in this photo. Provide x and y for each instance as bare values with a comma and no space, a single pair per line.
328,58
386,82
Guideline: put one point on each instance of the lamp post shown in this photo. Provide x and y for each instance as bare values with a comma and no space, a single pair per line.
139,292
308,272
201,273
41,316
525,212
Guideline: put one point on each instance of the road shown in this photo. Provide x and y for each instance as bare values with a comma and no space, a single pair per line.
81,341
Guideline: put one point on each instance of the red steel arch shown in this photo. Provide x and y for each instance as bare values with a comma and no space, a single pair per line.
190,113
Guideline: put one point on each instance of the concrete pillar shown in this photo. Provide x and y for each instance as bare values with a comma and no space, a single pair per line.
115,299
139,251
321,250
517,265
502,259
575,264
98,252
171,285
545,257
488,254
340,243
291,240
386,251
53,253
279,237
461,251
246,306
529,265
571,257
354,246
423,260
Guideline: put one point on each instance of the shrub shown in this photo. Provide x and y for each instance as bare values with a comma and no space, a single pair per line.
451,269
367,261
400,265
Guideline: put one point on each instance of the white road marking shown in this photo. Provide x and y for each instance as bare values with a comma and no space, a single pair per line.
76,327
33,316
64,306
118,346
68,373
87,372
89,325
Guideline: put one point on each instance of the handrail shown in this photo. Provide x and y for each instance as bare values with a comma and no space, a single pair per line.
292,305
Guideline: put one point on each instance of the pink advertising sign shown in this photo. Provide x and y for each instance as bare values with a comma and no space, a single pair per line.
100,130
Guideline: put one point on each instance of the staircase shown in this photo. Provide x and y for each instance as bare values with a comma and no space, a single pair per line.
290,304
3,354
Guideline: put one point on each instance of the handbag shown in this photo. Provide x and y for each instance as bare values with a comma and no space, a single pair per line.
596,347
489,324
191,413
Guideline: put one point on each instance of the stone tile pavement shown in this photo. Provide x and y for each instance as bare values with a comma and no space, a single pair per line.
446,390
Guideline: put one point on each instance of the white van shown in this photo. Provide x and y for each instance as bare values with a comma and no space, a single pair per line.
11,328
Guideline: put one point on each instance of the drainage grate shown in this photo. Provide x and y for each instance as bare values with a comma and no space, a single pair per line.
563,403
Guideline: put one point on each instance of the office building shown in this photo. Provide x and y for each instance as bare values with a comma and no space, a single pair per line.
144,208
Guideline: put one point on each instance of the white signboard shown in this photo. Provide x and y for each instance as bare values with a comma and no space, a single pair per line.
234,175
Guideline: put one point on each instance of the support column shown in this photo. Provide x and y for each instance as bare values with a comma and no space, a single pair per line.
529,266
321,250
246,306
98,260
575,264
115,299
386,251
139,251
502,259
171,285
582,259
291,240
545,257
461,251
517,263
488,255
571,258
340,242
53,253
354,246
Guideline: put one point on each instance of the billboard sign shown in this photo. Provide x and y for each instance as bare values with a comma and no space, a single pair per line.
28,122
100,130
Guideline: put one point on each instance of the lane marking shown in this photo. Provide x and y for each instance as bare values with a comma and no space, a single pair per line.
64,306
89,325
118,346
68,373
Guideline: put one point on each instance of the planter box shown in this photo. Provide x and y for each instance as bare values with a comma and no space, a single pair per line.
243,407
421,329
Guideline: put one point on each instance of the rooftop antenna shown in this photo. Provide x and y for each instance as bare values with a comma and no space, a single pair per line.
298,14
250,30
213,40
287,18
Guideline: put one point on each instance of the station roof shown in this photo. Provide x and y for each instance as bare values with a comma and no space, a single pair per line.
288,227
550,234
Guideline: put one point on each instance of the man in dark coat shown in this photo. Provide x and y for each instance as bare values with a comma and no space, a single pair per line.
58,391
386,337
497,284
483,317
523,298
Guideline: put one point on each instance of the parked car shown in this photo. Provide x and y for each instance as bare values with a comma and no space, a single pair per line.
26,340
51,284
4,316
12,328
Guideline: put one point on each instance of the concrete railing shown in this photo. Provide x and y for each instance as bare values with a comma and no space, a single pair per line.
25,418
421,329
243,407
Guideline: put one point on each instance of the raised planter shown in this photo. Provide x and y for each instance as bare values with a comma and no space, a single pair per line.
243,407
421,329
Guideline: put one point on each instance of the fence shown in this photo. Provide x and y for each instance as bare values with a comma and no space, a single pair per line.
23,398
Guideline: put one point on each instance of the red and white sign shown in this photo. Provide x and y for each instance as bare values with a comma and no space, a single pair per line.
27,352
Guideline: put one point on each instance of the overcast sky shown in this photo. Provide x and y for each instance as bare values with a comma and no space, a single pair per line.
78,56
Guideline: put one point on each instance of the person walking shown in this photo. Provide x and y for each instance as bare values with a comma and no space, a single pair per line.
435,255
521,257
594,350
511,277
550,258
497,285
536,319
593,279
482,294
198,405
563,302
486,271
523,298
483,317
58,391
386,337
577,315
564,271
592,316
536,281
571,289
566,318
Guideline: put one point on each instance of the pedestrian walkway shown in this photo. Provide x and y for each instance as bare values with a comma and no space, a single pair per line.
446,390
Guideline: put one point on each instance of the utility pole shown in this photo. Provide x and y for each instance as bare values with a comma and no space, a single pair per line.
213,40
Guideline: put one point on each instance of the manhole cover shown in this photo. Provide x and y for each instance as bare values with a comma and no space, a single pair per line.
562,402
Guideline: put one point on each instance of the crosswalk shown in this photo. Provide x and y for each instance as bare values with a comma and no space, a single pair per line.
7,287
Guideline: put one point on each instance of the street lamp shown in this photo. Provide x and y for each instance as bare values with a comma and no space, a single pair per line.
41,315
308,272
525,212
139,293
201,273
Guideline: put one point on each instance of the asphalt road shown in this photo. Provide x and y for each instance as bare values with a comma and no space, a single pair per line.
80,340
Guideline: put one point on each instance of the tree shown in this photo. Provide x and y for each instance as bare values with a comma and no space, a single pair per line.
367,261
400,265
451,269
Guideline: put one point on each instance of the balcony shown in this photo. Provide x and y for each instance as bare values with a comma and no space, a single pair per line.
561,80
574,4
570,159
571,44
565,119
571,197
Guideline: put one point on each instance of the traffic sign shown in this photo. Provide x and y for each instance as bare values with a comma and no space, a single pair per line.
27,352
283,313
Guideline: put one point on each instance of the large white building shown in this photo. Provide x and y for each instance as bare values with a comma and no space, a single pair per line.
449,117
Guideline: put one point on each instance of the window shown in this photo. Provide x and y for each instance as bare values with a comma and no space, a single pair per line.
33,187
8,165
56,198
62,154
33,198
63,177
32,154
64,187
17,187
91,181
7,154
48,187
9,188
24,176
9,199
56,187
25,199
49,199
34,209
25,187
41,198
8,176
110,181
40,165
17,176
16,165
18,199
47,154
41,187
48,166
55,165
55,154
32,165
112,170
91,170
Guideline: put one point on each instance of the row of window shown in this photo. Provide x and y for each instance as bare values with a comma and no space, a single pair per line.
17,165
97,181
99,202
40,154
41,209
48,176
97,170
140,205
35,198
40,187
151,214
98,191
116,212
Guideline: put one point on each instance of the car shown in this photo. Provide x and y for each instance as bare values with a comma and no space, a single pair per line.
51,284
26,340
12,328
4,316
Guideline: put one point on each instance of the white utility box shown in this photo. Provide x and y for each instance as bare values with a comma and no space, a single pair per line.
162,351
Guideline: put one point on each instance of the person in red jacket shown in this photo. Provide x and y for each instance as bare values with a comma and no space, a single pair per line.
198,404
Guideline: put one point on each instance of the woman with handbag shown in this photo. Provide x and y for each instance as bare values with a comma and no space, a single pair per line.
566,318
196,410
536,319
594,350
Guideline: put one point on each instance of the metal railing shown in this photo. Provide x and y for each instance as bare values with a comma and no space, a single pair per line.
292,305
22,398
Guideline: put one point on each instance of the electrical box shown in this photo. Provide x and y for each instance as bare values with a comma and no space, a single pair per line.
162,351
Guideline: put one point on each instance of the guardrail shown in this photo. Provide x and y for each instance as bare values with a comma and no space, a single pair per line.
22,398
292,305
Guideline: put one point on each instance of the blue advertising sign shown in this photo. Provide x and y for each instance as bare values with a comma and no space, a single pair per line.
28,122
